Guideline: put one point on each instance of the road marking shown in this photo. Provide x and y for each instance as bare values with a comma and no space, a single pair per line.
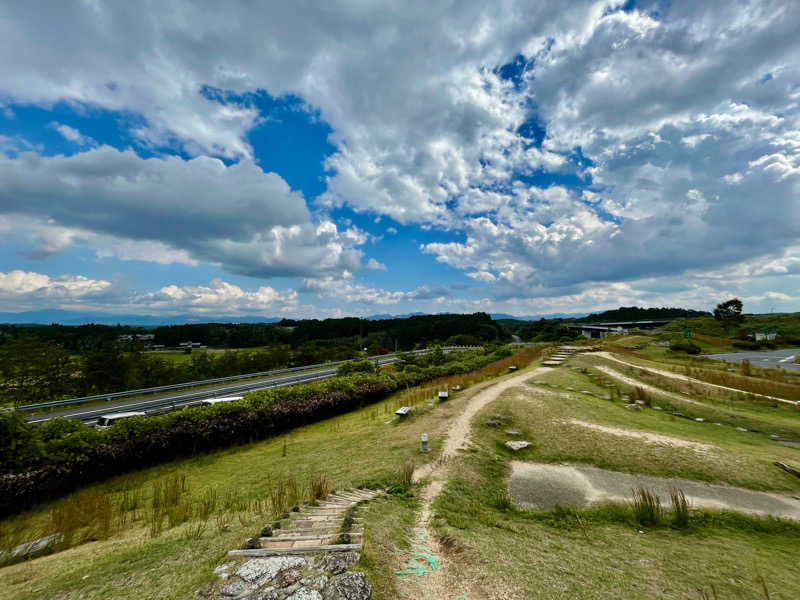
788,358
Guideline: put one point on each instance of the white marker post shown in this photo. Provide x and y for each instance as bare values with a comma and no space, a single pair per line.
424,445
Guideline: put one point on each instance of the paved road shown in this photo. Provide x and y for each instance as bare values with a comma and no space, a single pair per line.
170,401
767,358
541,487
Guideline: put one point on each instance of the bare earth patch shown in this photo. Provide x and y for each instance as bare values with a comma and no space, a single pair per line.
649,438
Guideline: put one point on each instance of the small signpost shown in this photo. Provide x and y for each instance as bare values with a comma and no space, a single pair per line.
403,411
443,395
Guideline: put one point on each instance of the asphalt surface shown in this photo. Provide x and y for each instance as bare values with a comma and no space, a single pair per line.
771,359
536,486
159,403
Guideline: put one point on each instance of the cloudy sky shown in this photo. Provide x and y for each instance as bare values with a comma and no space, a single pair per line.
354,157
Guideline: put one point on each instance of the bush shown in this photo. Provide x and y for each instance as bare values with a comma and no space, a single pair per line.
685,346
746,345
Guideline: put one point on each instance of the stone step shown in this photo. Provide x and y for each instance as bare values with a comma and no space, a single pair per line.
348,498
326,535
301,518
263,552
291,533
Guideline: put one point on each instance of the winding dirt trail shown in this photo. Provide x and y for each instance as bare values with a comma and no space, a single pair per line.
679,377
434,583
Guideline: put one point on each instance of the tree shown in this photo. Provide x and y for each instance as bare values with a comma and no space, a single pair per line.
33,370
729,312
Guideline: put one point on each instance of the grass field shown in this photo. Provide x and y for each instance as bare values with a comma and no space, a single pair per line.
497,551
490,549
121,553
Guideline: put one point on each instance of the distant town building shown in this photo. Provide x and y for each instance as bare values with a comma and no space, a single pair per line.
189,345
765,335
137,337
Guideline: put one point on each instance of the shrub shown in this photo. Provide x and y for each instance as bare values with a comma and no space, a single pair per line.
685,346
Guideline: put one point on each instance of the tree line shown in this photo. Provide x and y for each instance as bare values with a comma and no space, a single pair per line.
40,364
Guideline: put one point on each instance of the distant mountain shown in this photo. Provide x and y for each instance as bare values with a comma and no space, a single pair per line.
498,316
405,316
67,317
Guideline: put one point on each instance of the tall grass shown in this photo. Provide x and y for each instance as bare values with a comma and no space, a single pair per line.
680,508
646,507
319,487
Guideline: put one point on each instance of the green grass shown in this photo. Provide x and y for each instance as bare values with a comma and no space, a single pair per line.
137,561
603,552
545,414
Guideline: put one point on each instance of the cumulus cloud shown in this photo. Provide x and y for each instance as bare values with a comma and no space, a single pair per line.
237,216
25,290
681,122
219,297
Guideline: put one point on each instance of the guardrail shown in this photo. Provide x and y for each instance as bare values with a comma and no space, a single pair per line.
190,384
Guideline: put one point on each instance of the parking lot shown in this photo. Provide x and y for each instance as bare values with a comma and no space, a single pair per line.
771,359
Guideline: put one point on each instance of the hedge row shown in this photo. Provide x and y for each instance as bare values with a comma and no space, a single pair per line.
46,461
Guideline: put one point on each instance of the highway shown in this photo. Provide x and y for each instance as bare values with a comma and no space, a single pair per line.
770,359
175,400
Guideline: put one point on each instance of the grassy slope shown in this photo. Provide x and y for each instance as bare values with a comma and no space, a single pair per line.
349,450
784,324
583,554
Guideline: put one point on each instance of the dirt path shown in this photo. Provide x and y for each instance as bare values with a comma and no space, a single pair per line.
434,584
686,379
647,388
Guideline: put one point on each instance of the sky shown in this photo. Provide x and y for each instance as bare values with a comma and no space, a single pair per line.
324,159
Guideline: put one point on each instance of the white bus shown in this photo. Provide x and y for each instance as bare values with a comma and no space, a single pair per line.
212,401
106,421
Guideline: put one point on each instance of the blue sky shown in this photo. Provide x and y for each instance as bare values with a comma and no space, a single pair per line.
522,158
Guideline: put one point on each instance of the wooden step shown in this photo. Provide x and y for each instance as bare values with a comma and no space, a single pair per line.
281,551
313,536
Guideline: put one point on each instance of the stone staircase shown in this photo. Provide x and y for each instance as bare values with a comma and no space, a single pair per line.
563,353
306,554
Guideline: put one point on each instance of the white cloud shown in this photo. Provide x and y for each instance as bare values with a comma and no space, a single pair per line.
237,216
375,264
219,297
73,135
25,290
687,120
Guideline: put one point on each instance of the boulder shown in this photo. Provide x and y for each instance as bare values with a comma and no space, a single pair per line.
339,562
264,570
305,593
348,586
236,588
315,581
288,577
516,445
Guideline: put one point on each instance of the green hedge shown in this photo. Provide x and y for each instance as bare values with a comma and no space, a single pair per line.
40,462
